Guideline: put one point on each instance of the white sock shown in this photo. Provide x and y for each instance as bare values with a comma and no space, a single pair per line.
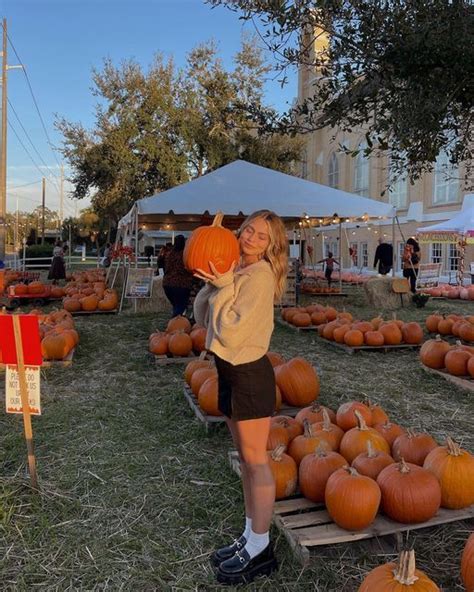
248,528
256,543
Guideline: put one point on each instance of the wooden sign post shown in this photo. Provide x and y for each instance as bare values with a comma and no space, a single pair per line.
20,346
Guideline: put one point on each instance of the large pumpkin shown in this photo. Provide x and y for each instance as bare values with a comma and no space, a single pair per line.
54,347
433,352
346,418
352,500
331,432
391,333
315,470
467,564
214,244
90,303
289,423
354,442
72,304
199,377
178,323
298,382
285,472
159,344
454,469
307,443
410,494
412,333
198,337
195,365
314,413
397,577
180,344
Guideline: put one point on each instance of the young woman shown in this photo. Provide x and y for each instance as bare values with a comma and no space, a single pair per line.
177,280
411,261
237,308
57,271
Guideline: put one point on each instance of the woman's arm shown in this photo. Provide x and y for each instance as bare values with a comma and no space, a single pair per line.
201,305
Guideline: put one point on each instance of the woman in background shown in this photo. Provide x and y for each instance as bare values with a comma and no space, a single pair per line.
57,271
177,280
411,261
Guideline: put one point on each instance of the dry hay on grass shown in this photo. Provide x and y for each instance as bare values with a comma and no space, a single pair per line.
135,495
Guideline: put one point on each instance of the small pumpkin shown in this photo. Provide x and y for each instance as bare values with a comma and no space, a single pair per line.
307,443
315,413
199,376
180,344
354,441
289,423
346,418
54,347
208,396
331,432
412,333
352,500
178,323
372,462
454,469
410,494
390,431
433,352
374,338
278,435
284,471
159,344
315,470
413,447
397,577
455,361
354,338
467,564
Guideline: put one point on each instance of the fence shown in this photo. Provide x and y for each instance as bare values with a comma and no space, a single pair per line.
72,262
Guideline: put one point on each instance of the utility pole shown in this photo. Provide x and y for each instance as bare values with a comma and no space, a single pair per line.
43,200
3,146
61,198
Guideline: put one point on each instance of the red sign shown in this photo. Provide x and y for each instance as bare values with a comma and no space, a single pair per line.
30,338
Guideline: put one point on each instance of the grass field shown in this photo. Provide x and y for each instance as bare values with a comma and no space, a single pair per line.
135,495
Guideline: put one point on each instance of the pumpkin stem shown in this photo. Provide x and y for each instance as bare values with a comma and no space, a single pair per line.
202,355
326,421
308,429
453,448
360,420
403,467
405,570
353,472
370,450
315,407
218,219
411,432
277,453
320,451
438,337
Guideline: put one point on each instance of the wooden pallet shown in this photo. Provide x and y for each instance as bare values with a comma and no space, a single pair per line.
462,382
333,295
87,313
290,326
164,360
58,363
385,348
306,524
211,420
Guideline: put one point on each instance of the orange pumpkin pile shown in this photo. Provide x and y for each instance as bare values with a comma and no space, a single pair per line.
312,286
314,314
179,339
58,334
457,359
357,462
87,291
452,324
451,292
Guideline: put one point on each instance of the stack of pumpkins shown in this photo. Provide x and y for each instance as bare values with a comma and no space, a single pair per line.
452,292
376,332
179,339
297,382
58,334
314,314
457,359
357,461
89,293
312,286
451,324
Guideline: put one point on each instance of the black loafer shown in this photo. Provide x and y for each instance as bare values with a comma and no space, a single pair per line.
224,553
241,569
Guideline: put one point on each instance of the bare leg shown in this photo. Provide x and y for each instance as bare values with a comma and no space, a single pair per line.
232,425
253,435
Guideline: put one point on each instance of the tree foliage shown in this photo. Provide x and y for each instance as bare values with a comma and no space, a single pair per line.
156,129
402,70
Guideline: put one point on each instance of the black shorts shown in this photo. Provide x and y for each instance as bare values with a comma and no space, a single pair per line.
246,391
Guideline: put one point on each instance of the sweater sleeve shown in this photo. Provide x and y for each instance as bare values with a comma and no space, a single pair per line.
201,305
241,307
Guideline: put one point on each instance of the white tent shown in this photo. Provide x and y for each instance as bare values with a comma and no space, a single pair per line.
240,188
461,225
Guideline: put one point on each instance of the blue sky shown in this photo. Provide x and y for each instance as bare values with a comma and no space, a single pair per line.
60,41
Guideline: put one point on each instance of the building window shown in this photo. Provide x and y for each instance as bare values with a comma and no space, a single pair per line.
436,254
333,171
361,172
453,257
304,165
364,253
354,254
398,192
445,182
401,248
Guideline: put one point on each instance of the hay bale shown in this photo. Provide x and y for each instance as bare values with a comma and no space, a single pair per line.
157,303
381,296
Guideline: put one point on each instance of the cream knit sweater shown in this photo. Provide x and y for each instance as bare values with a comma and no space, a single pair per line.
237,310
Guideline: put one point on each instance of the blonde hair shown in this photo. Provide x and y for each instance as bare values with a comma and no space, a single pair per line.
277,251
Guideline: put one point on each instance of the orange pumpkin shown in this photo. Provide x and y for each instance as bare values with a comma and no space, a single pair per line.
346,418
352,500
198,337
180,344
391,333
301,319
54,347
354,338
275,359
372,462
455,361
397,577
410,494
284,471
433,352
318,318
214,244
374,338
467,564
454,469
179,323
159,344
36,288
307,443
293,427
277,436
412,333
208,396
298,382
390,431
331,432
195,365
21,289
315,470
72,304
354,442
90,302
340,332
314,413
413,447
199,376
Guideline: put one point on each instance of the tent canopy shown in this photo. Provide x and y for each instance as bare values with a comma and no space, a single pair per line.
460,225
240,188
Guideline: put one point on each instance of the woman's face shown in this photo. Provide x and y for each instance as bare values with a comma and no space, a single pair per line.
255,238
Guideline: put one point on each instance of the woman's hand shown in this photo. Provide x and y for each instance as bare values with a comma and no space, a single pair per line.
215,275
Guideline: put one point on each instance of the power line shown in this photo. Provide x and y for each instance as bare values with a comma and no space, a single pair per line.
33,146
24,185
34,99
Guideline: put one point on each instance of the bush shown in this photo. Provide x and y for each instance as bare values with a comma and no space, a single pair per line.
38,251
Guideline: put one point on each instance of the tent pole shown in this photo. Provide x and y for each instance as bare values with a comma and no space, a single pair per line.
340,255
393,246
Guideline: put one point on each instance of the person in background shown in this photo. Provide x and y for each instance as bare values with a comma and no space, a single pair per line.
57,271
411,261
329,261
177,280
161,260
107,252
238,307
383,256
